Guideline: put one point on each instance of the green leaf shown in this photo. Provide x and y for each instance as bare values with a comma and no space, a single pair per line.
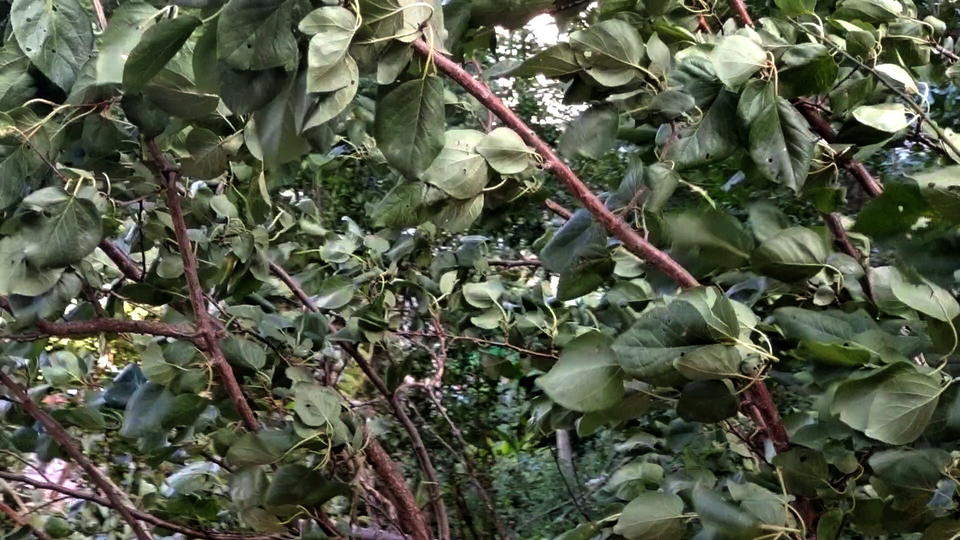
16,83
18,275
332,28
914,291
736,58
63,368
809,69
505,151
458,170
609,51
301,486
792,254
710,234
146,410
261,448
209,155
728,520
892,405
894,212
66,228
244,352
709,362
805,471
157,46
57,36
651,516
888,117
256,34
587,377
649,348
591,134
273,135
707,401
334,293
555,61
316,405
580,238
409,125
714,138
792,8
779,139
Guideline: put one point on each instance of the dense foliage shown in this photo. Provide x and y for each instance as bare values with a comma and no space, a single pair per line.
401,269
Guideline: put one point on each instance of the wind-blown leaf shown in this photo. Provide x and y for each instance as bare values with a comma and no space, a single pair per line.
779,139
587,377
66,229
57,36
651,516
157,46
409,125
257,34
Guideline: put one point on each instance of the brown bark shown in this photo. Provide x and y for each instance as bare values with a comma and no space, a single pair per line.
124,263
853,167
632,241
411,518
206,328
115,326
70,446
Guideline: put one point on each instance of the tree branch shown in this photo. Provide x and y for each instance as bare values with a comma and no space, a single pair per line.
138,514
60,435
411,517
615,226
823,128
205,325
114,326
558,209
124,263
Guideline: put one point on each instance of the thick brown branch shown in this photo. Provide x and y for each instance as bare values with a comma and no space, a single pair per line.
740,8
411,518
206,328
614,225
138,514
853,167
114,326
124,263
66,442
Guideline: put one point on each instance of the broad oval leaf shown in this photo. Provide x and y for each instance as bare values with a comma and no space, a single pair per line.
651,516
587,377
409,125
57,36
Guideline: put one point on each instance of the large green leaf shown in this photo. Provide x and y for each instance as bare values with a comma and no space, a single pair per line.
893,404
410,123
660,336
257,34
792,254
157,46
64,229
736,58
914,291
714,138
610,51
651,516
458,170
591,134
587,377
16,83
332,28
779,139
505,151
57,36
